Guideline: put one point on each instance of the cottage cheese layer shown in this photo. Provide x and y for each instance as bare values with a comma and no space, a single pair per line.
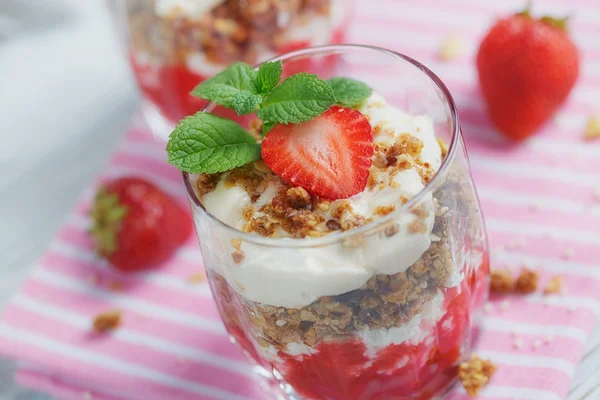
294,277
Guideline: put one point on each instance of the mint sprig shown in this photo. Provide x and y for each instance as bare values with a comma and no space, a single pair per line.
299,98
349,92
269,75
234,87
206,143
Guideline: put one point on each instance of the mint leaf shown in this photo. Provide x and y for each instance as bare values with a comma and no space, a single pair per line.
349,92
299,98
234,87
269,75
245,102
206,143
267,126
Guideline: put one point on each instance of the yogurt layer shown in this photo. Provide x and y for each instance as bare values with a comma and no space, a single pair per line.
294,277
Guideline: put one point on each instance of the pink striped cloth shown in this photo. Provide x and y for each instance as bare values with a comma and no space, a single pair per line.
538,199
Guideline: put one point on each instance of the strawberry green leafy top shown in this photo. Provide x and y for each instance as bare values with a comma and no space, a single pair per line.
206,143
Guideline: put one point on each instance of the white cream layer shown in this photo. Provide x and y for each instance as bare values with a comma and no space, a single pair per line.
295,277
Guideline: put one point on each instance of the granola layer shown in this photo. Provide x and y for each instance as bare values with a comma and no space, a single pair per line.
384,302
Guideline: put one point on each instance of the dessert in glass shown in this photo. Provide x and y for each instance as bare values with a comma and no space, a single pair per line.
175,44
339,293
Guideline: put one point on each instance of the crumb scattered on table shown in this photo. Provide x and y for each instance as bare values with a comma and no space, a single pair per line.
475,374
501,281
107,321
592,128
527,281
451,48
554,285
196,278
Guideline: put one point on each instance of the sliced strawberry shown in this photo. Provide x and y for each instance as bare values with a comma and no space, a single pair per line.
329,156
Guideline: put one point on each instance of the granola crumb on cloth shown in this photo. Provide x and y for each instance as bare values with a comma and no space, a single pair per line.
475,374
196,278
554,285
451,48
527,281
592,129
501,281
107,321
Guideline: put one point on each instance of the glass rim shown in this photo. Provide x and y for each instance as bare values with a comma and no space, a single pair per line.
370,227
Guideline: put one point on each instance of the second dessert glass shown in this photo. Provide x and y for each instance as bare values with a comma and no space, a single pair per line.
173,45
386,336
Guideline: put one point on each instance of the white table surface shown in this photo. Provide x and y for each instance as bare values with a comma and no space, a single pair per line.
66,97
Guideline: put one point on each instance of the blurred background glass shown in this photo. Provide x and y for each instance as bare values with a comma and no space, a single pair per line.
172,46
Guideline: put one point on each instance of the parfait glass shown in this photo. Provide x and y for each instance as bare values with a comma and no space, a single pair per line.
396,334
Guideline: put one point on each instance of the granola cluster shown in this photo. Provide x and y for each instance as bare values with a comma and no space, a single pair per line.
527,282
232,31
107,321
502,281
475,374
385,301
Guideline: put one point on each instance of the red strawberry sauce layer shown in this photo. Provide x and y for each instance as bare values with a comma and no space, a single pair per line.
169,86
343,369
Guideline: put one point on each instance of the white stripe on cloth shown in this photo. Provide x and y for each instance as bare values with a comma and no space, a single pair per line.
518,393
157,278
113,364
523,360
127,302
499,324
543,173
82,322
542,202
537,230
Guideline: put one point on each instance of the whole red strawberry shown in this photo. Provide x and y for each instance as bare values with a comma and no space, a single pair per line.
137,225
527,68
